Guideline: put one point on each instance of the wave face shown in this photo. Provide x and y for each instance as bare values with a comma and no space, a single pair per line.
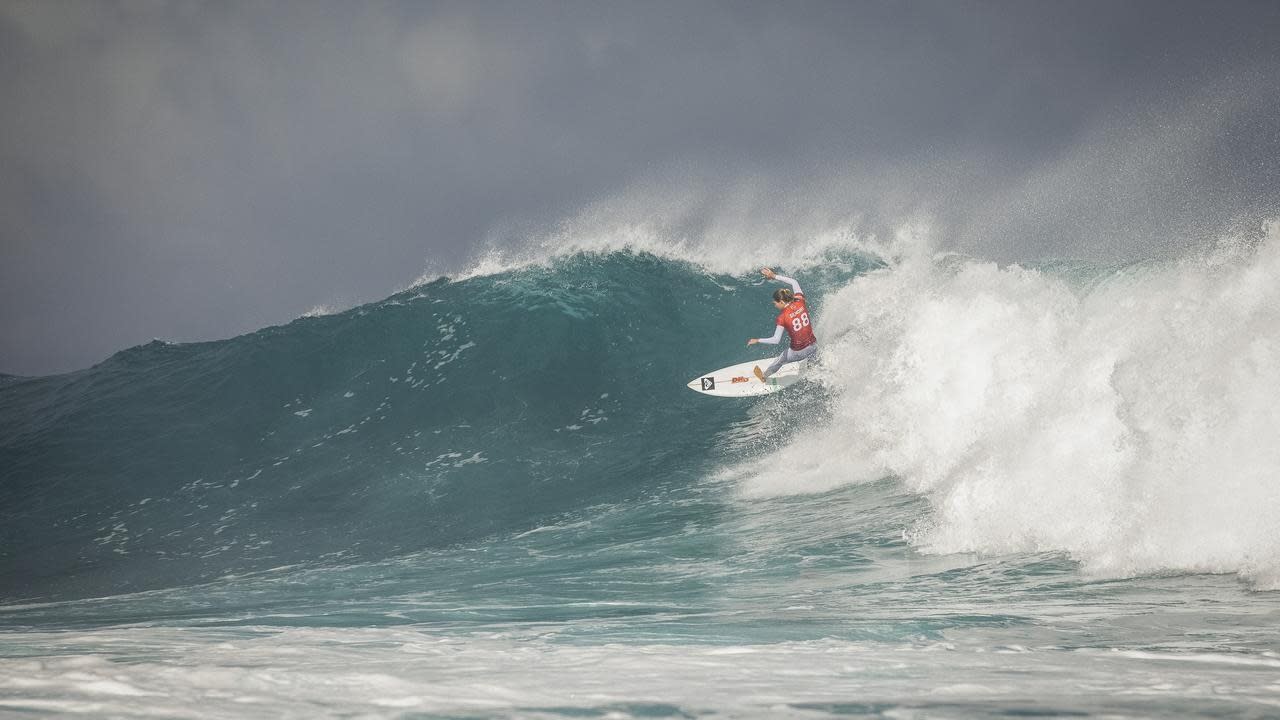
446,413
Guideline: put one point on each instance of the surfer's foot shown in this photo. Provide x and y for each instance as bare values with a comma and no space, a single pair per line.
760,374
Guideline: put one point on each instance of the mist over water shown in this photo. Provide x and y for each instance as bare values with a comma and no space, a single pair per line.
163,184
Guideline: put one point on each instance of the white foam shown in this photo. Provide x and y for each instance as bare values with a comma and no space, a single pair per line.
320,310
1132,424
202,672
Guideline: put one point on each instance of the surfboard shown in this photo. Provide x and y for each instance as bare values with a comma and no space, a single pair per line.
741,381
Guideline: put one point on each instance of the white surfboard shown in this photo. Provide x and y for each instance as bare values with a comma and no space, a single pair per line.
740,380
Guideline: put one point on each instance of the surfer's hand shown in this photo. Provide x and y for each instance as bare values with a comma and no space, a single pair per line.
753,341
767,272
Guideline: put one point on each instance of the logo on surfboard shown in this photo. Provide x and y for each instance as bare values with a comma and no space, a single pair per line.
708,383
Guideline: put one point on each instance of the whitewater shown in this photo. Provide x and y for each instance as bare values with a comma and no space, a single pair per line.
1044,488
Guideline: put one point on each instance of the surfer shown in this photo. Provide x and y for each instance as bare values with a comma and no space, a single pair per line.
794,321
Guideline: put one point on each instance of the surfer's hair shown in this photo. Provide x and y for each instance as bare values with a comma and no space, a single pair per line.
783,295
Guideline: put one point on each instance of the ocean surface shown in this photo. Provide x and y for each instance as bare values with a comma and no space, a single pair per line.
1004,490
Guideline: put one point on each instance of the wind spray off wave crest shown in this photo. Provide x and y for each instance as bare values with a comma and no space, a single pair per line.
733,227
1127,418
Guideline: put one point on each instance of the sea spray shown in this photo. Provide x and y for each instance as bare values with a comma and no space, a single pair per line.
1128,420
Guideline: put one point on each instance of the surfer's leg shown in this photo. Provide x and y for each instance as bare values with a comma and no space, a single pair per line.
804,353
787,356
773,367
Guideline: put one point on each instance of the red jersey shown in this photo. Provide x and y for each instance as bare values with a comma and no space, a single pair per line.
794,318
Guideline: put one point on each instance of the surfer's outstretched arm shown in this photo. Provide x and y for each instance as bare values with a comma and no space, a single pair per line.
777,335
795,286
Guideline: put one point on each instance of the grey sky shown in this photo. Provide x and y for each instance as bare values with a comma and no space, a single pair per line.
197,170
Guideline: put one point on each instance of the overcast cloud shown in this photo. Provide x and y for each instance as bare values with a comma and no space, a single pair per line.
197,170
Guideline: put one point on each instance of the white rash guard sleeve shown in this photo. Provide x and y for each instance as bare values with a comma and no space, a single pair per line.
777,335
795,286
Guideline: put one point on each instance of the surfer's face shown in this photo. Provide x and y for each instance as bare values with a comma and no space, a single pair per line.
779,304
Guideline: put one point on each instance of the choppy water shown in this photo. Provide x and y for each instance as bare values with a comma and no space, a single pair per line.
1004,491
